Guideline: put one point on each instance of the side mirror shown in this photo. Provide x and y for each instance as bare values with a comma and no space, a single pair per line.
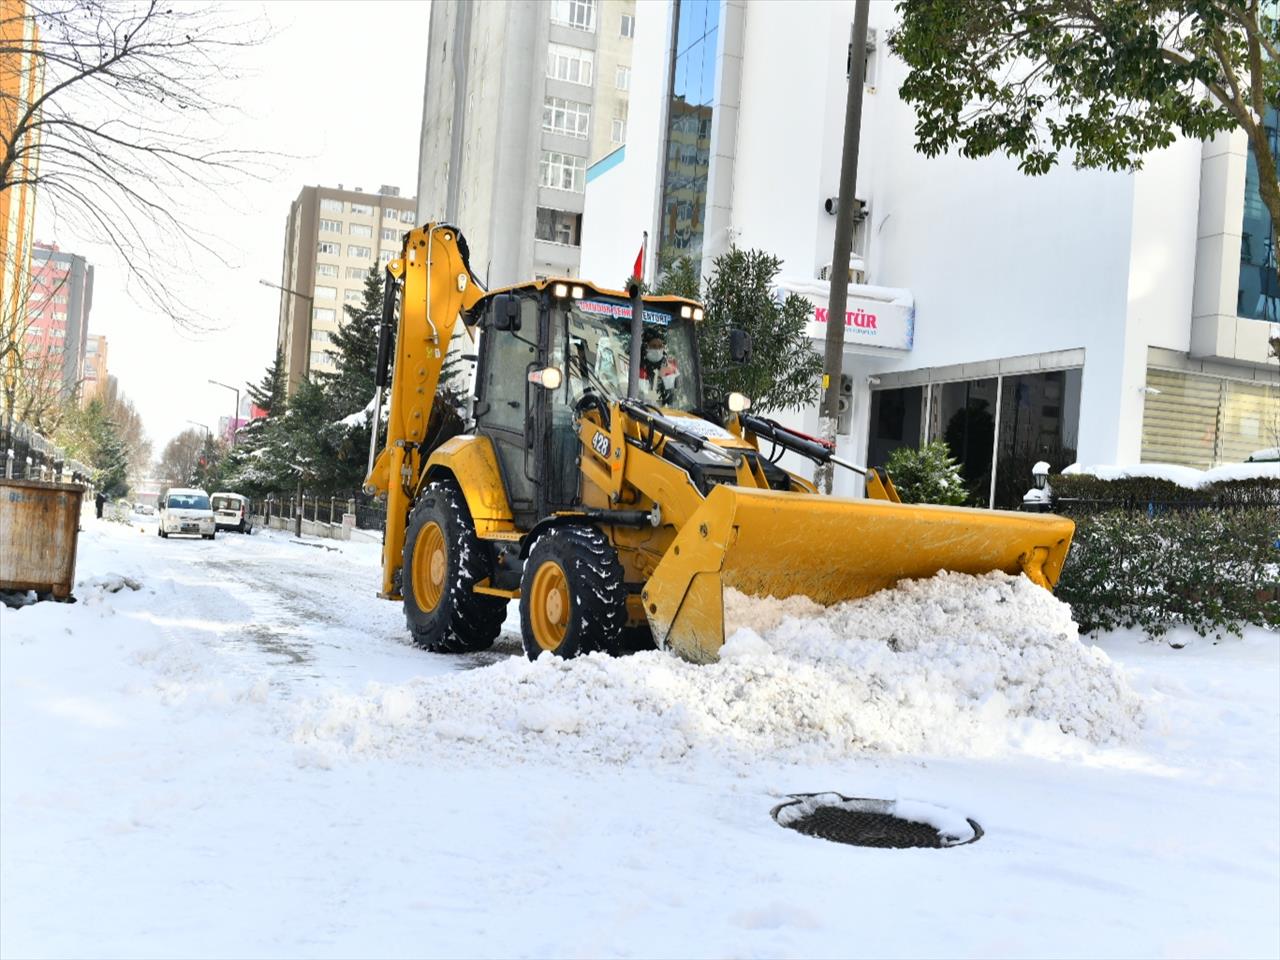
739,346
506,312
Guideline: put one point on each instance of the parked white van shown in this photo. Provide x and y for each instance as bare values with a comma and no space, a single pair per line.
185,510
231,512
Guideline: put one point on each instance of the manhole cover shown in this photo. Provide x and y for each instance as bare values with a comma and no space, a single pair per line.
875,823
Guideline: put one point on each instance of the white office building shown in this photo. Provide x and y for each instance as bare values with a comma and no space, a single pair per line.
1080,316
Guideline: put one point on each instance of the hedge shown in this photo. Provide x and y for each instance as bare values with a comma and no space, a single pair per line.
1153,555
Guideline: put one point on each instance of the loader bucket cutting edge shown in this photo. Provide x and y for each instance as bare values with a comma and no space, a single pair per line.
771,543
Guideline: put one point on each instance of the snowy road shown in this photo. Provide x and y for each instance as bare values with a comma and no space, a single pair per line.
246,758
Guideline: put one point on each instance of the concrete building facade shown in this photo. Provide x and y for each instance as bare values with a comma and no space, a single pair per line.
332,236
1082,316
521,97
58,306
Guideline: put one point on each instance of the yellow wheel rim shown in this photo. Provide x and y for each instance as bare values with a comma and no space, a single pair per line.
430,564
549,605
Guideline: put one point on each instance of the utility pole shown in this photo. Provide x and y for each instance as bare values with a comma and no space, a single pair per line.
837,301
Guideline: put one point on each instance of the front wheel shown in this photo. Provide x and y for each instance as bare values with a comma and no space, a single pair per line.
572,596
443,560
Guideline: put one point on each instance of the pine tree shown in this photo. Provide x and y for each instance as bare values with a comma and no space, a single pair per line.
271,393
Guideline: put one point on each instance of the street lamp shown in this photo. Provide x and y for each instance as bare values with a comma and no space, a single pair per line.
301,296
235,416
207,432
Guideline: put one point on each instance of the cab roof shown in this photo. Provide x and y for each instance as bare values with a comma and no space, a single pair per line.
539,286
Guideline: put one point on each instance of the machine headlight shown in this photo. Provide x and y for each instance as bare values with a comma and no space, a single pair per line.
686,312
697,313
739,402
576,293
549,377
560,289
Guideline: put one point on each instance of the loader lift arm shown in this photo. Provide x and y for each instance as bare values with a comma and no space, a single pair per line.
435,286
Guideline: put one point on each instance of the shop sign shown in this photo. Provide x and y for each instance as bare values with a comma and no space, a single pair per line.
871,323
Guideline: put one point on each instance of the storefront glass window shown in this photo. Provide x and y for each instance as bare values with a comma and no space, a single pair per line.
688,144
896,418
1259,290
1039,420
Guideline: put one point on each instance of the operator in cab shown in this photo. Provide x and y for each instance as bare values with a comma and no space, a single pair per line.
659,371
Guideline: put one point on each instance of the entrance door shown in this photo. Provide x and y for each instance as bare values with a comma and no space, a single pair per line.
502,409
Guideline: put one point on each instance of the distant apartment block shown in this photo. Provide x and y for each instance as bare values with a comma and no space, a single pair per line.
58,304
520,99
94,378
331,239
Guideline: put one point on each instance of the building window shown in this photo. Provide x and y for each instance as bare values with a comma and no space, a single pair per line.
330,226
559,226
386,256
356,273
329,205
320,358
579,14
406,216
562,171
1201,421
362,209
628,28
357,252
687,147
326,293
569,63
568,117
326,269
390,214
319,336
353,296
323,314
359,230
332,249
618,133
1258,293
623,80
390,233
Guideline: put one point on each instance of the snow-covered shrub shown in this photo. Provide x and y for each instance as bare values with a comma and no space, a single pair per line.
1152,555
927,475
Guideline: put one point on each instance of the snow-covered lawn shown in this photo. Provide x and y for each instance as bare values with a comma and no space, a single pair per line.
244,757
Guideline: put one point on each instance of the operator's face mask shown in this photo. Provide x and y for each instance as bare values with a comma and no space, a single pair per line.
653,355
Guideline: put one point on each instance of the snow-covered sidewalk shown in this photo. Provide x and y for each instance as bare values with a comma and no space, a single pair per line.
245,757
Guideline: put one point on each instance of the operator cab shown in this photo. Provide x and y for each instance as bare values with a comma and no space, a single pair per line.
583,333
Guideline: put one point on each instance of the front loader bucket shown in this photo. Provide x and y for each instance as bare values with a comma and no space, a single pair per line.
772,543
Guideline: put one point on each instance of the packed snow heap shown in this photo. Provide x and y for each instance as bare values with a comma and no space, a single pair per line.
956,664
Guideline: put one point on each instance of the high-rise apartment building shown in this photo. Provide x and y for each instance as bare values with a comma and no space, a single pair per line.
520,99
94,379
331,239
57,321
21,83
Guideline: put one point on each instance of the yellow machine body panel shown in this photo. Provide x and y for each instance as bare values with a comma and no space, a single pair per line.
772,543
473,464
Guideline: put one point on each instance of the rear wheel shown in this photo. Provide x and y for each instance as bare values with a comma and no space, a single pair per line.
572,598
443,560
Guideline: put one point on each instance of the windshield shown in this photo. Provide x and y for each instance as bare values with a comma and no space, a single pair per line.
599,344
188,501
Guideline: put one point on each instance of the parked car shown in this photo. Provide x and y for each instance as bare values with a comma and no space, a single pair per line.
185,510
231,512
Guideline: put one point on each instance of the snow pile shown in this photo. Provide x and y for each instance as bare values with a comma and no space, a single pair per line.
951,665
1188,477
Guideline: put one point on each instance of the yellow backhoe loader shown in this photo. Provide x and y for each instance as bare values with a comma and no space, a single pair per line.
590,486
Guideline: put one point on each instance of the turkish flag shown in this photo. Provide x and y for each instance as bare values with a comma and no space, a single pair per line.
637,271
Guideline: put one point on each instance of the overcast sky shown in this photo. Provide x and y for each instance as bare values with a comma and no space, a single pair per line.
338,87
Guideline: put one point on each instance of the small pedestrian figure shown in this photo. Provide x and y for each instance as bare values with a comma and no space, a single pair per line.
98,500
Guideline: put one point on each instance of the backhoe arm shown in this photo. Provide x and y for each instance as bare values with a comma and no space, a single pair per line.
435,285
